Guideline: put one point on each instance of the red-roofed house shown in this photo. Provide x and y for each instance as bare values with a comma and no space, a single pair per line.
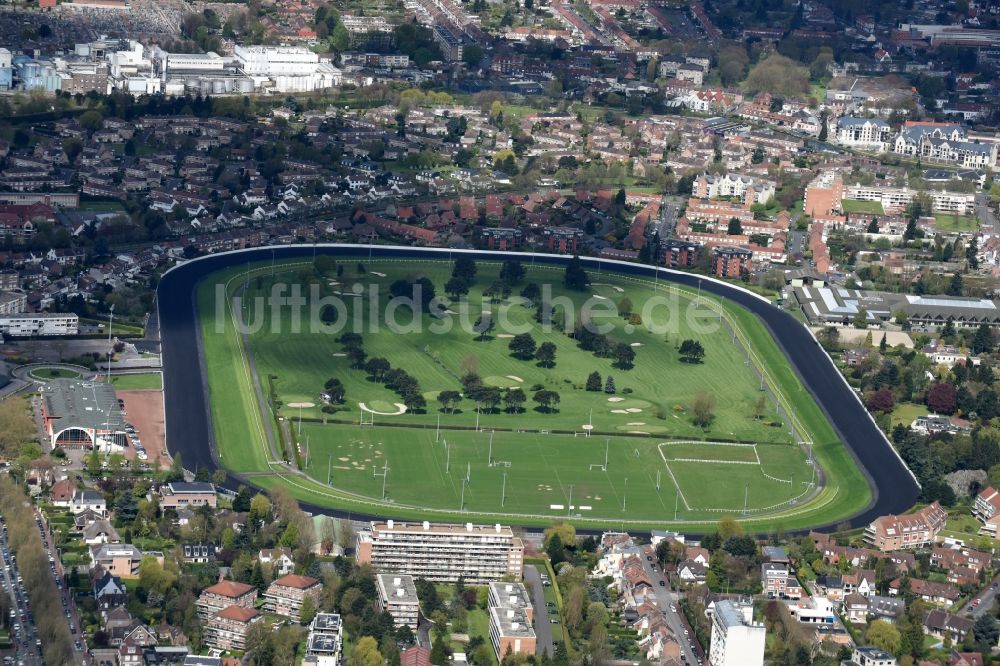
915,530
987,510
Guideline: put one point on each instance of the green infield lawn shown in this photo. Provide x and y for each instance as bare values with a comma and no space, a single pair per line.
857,206
542,453
54,373
955,223
152,381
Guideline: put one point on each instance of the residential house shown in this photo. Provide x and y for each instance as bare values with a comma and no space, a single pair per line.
692,572
198,553
182,495
100,531
939,594
987,510
109,592
61,493
279,558
940,623
88,499
121,559
856,608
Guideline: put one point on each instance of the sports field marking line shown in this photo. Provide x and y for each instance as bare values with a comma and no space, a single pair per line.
717,462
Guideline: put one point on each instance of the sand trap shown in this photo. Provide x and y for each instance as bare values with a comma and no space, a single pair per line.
515,378
339,354
400,409
633,410
489,312
451,312
619,411
636,423
343,459
616,399
637,432
635,344
504,335
598,296
605,284
377,273
303,405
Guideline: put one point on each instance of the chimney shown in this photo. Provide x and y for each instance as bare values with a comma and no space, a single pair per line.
514,626
400,592
388,524
510,614
396,582
513,600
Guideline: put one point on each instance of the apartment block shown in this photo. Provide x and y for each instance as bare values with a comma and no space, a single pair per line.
747,188
869,656
397,596
915,530
736,640
510,620
731,262
987,510
39,323
285,595
180,495
223,595
326,638
227,629
442,552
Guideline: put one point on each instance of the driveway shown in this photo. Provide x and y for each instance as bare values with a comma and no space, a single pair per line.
543,630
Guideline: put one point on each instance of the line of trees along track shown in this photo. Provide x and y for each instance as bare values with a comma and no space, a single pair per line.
188,413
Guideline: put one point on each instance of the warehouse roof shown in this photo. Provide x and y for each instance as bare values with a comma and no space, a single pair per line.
82,404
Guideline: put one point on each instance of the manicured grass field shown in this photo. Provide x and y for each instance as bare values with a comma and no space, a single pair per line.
416,478
152,381
54,373
857,206
956,222
542,469
654,397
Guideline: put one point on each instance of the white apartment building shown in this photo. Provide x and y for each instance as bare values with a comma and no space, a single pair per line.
442,552
863,133
397,596
734,185
511,616
326,638
895,199
12,302
39,323
736,640
944,142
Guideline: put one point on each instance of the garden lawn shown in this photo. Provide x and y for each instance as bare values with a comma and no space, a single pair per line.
956,223
137,382
857,206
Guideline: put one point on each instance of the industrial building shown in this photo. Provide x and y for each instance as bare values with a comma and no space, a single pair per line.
83,413
838,305
442,552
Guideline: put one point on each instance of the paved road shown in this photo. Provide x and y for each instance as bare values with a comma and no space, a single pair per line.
987,598
23,632
987,218
71,612
543,629
187,408
666,600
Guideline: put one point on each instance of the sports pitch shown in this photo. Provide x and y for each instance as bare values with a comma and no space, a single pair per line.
660,465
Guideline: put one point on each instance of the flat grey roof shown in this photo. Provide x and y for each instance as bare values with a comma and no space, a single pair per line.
82,404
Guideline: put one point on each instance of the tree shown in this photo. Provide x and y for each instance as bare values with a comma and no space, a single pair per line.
546,400
861,318
882,400
308,610
955,285
609,386
514,400
365,653
594,381
575,277
484,324
464,269
704,409
335,389
624,356
778,75
987,631
376,367
942,398
522,346
555,550
873,226
126,507
884,636
456,287
983,340
472,55
691,351
91,120
546,355
512,272
734,228
449,399
260,510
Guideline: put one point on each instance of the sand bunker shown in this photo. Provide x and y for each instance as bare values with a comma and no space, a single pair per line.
619,411
302,405
635,344
339,354
377,273
504,335
616,399
598,296
400,409
633,410
515,378
635,423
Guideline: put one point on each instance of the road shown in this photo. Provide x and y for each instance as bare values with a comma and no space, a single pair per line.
987,218
668,217
189,430
71,612
543,629
666,600
987,598
23,632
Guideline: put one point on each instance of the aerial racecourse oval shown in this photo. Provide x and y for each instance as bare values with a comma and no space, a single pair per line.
467,385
